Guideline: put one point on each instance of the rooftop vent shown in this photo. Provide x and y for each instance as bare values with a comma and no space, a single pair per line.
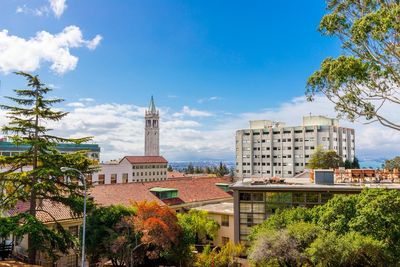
164,193
223,186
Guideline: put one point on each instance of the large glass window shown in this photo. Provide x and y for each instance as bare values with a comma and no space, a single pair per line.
245,207
279,197
312,197
299,197
258,208
258,197
245,196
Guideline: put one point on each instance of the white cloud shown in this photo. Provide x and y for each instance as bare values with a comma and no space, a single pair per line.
186,111
212,98
75,104
19,54
86,99
58,7
40,11
119,129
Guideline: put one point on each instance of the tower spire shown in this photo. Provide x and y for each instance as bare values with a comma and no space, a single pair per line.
152,106
152,130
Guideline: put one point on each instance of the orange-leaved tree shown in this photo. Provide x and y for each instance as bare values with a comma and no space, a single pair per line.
158,226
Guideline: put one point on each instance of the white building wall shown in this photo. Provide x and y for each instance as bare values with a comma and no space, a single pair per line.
144,172
285,151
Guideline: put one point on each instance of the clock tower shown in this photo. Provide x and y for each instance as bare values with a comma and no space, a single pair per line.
152,131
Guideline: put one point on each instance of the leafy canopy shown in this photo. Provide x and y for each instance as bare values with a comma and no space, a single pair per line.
324,159
349,230
367,78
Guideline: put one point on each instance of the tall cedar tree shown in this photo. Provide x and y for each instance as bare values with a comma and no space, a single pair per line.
366,79
34,175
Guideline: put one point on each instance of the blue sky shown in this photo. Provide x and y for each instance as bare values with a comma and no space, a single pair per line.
211,65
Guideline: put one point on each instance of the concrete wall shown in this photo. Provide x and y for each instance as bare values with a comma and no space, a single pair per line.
285,151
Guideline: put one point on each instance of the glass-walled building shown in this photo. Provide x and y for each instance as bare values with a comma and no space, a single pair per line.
253,203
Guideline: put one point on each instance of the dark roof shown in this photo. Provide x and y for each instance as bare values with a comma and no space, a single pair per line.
145,159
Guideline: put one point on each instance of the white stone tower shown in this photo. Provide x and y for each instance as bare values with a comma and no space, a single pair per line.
152,131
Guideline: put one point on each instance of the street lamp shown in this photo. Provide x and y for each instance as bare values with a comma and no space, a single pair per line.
82,178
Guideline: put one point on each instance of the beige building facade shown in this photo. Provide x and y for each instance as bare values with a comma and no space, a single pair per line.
223,214
131,169
271,148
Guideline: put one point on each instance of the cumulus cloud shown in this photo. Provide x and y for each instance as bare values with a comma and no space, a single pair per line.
19,54
119,129
186,111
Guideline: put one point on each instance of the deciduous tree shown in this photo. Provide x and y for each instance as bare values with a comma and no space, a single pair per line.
367,77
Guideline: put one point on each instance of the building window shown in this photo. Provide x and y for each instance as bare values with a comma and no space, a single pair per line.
89,179
101,178
125,177
74,230
113,178
225,220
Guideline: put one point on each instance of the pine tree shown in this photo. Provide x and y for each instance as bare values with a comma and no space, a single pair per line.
34,175
355,164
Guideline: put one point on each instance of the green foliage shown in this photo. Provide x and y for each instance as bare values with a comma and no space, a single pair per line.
220,170
281,219
170,169
104,230
350,249
40,165
219,257
336,214
355,164
198,227
367,77
392,164
324,159
349,230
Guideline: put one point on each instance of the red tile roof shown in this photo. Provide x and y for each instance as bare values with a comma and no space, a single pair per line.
145,159
176,174
50,211
190,190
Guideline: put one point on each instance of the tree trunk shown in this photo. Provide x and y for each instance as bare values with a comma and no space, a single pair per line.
32,205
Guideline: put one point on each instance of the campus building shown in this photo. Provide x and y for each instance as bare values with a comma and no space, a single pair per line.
222,213
92,150
131,169
270,148
255,201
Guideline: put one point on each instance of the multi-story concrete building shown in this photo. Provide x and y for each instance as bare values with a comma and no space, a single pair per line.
273,149
132,169
152,131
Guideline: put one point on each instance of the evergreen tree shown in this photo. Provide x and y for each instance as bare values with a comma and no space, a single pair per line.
190,169
170,169
34,175
355,164
348,164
